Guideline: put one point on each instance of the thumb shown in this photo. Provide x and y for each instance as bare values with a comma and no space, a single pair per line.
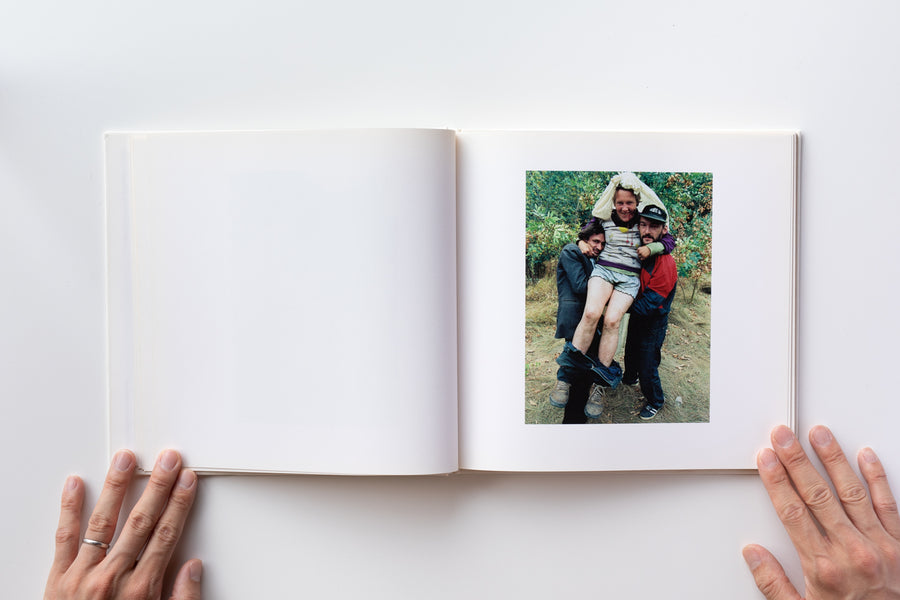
769,574
187,582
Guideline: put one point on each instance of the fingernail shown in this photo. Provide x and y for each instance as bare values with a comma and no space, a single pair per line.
783,437
168,460
821,436
868,455
752,557
71,483
196,569
123,461
187,479
767,458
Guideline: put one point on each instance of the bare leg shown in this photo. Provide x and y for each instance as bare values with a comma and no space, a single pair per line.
598,292
619,303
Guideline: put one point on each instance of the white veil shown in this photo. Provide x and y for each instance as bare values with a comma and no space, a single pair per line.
645,195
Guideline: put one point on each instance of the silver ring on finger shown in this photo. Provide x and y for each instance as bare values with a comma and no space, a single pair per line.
99,544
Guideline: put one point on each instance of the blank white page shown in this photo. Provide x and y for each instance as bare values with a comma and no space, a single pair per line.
285,301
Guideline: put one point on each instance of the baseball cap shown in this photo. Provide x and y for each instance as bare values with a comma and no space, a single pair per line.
654,213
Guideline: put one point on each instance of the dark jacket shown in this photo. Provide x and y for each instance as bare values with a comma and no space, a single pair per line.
572,274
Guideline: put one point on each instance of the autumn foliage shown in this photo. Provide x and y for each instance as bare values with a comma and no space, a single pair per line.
557,203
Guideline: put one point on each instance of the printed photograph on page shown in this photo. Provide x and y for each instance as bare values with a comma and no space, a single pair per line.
618,296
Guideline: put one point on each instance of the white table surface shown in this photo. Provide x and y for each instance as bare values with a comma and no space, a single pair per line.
71,70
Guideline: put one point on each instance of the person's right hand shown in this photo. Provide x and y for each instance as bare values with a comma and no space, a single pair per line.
849,543
586,249
134,567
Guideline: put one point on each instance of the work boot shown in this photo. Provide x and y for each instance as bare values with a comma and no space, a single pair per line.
594,406
559,397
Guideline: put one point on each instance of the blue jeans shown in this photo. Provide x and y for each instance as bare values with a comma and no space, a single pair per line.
575,361
570,375
642,354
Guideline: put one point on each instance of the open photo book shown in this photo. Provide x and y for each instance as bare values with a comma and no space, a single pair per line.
354,301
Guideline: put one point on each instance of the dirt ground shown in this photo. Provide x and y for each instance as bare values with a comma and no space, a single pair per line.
684,369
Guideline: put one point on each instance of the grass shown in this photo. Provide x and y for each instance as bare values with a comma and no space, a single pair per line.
684,369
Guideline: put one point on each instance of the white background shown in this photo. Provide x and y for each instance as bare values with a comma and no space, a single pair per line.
71,70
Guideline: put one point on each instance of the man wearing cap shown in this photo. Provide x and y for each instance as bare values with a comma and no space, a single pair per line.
650,314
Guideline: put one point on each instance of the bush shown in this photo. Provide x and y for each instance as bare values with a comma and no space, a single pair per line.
557,203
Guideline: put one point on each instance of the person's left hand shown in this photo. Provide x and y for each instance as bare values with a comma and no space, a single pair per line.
643,252
134,567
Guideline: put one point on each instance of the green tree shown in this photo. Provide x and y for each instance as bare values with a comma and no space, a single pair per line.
557,203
